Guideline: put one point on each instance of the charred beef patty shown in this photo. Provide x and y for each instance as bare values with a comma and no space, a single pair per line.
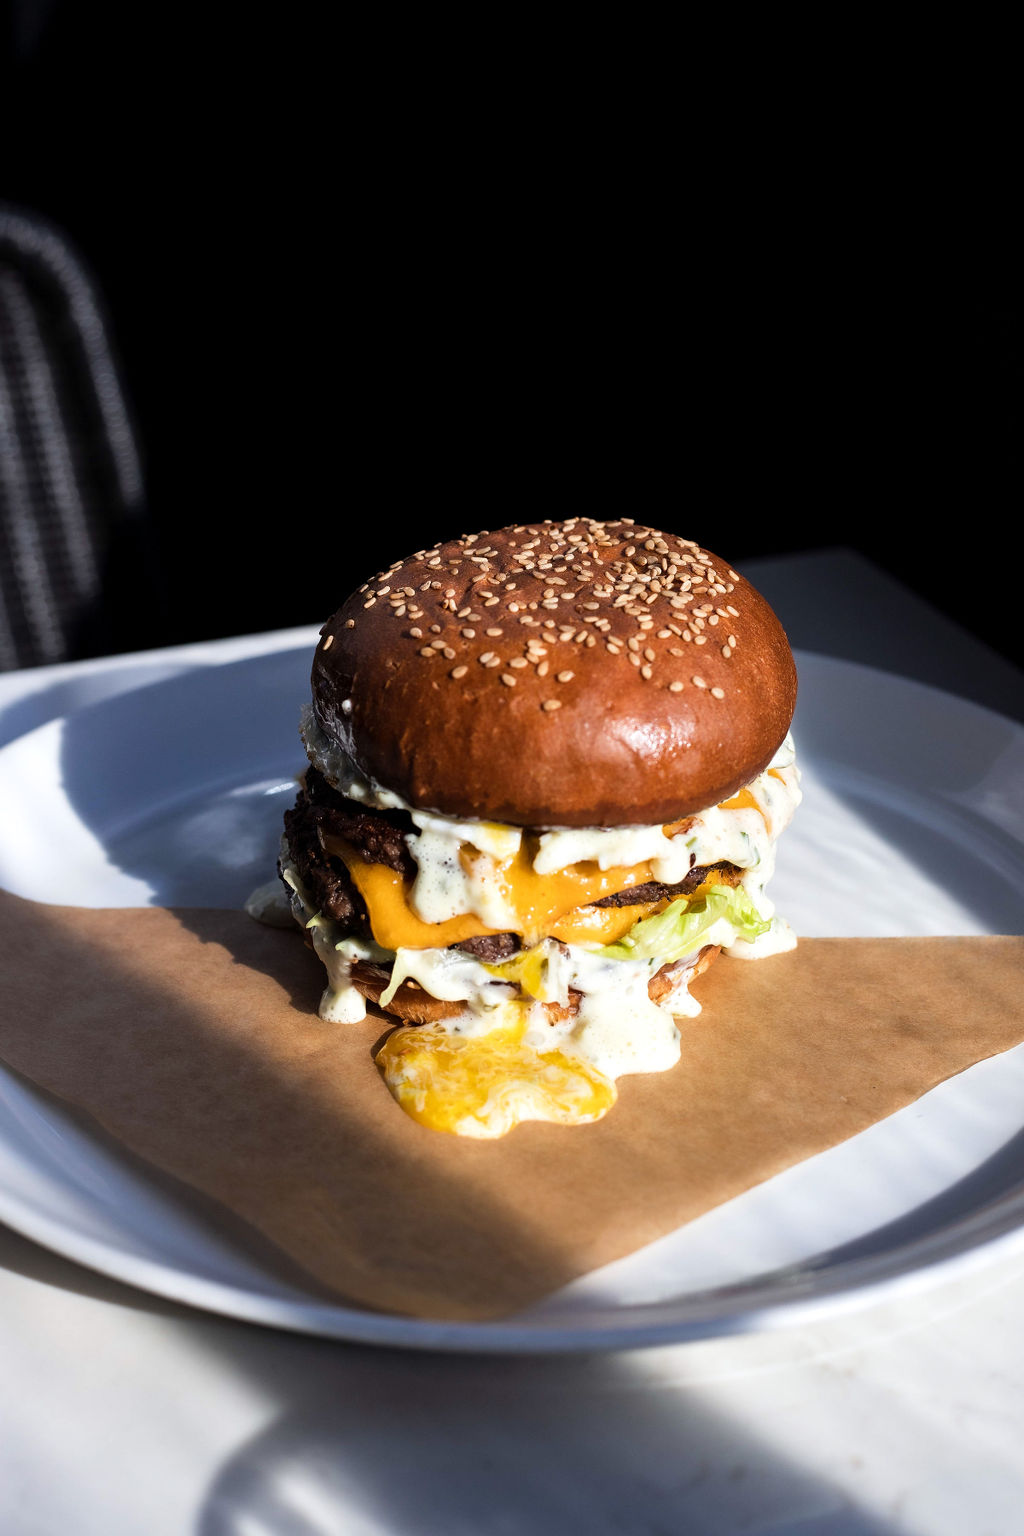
379,836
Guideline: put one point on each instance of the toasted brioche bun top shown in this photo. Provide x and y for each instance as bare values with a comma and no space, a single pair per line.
558,674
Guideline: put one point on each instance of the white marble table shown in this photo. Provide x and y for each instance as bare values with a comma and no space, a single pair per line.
124,1415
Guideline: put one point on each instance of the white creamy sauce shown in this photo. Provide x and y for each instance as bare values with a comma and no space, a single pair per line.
610,847
451,975
269,904
445,885
619,1030
341,1001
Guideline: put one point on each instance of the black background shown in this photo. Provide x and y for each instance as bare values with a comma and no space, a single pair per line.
353,318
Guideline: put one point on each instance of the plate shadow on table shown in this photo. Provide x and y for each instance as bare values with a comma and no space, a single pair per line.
427,1445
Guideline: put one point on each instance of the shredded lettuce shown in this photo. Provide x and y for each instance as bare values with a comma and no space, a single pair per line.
680,929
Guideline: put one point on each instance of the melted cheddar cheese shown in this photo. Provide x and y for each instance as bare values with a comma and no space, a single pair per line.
483,1086
559,905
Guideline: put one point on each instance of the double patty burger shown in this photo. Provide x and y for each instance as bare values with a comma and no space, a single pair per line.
547,768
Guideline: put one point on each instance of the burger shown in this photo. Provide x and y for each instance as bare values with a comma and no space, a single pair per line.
548,766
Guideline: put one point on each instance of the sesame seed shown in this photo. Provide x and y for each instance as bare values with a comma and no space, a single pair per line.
550,704
675,687
726,651
649,654
468,634
732,641
328,642
493,632
495,661
427,651
370,603
542,670
458,671
698,682
647,672
448,653
508,679
518,661
565,677
350,623
718,693
486,658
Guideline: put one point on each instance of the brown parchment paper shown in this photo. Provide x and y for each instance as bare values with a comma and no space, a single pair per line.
192,1037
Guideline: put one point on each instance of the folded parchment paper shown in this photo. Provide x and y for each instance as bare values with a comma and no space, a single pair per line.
192,1037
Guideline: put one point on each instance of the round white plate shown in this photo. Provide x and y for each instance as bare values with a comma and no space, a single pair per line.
912,823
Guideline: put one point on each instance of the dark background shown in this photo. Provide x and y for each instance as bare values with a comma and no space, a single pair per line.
351,322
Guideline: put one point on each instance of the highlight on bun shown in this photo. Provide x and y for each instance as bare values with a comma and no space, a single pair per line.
572,674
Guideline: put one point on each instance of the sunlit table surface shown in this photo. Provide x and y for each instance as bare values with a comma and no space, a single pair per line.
124,1415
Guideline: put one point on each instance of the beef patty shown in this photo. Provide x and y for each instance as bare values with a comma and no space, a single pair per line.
380,837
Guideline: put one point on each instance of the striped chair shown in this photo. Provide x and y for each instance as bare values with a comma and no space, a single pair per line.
71,486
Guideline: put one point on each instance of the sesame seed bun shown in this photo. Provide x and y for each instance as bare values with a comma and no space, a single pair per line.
563,674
